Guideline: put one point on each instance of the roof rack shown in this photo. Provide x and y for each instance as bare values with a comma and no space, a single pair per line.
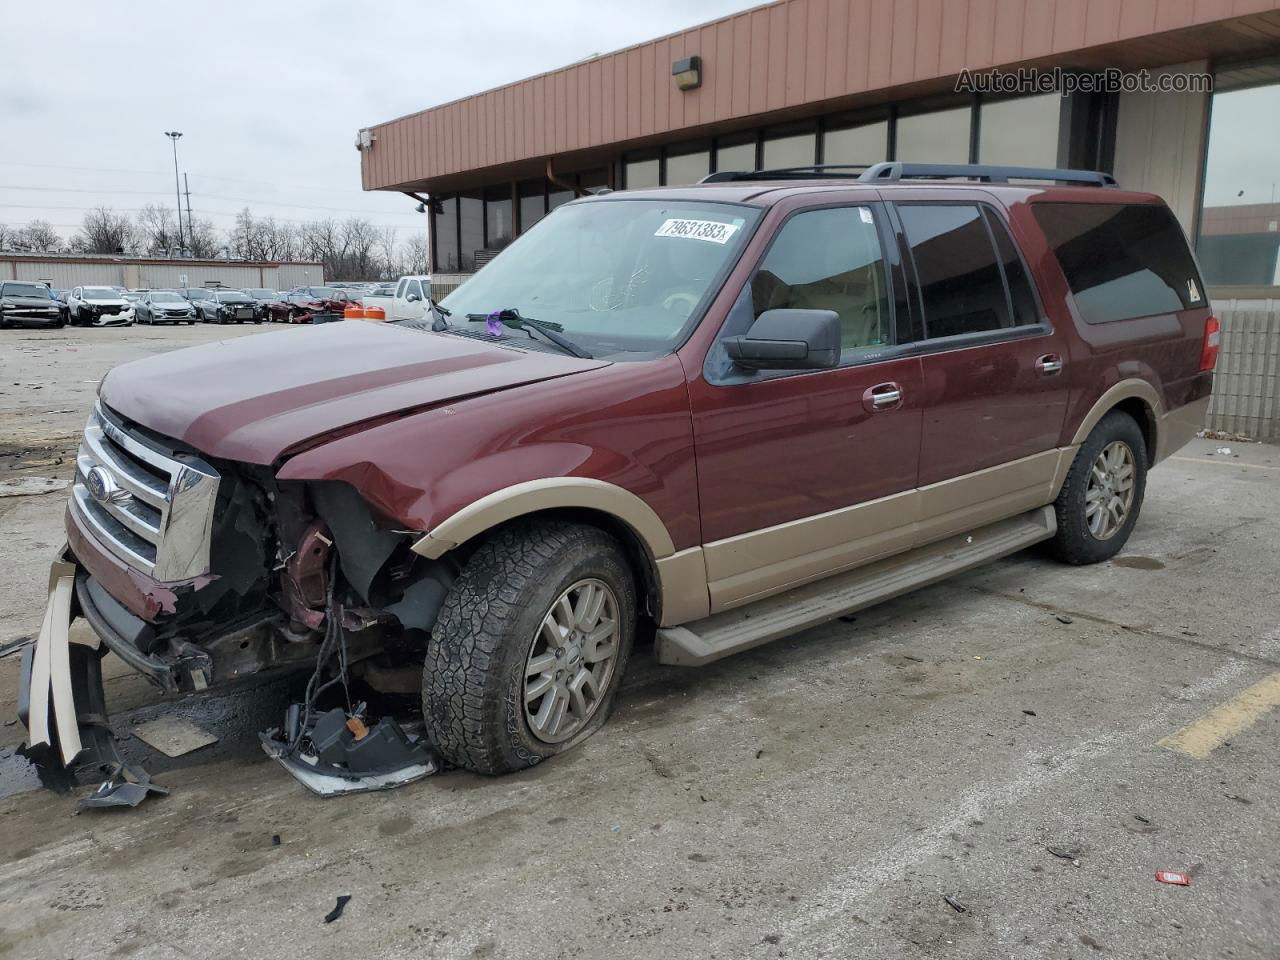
893,171
817,171
986,173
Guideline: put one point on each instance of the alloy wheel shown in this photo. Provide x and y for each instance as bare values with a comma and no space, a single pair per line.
571,661
1109,496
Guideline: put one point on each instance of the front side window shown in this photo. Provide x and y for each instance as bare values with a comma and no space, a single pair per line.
618,276
829,260
1121,260
962,286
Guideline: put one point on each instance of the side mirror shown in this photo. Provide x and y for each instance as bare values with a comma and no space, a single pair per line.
788,339
413,298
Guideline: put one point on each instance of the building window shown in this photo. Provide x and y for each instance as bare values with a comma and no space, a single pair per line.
533,203
736,156
499,228
686,165
938,137
1240,218
1021,132
556,197
799,150
867,144
471,230
641,174
445,253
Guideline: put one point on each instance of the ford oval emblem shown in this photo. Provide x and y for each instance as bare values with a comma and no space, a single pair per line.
102,486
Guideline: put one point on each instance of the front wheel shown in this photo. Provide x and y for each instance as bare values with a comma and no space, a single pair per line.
1099,503
528,653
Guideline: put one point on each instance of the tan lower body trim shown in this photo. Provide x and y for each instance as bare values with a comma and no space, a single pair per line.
754,565
682,580
1178,427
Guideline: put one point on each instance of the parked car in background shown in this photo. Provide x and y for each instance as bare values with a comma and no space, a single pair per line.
29,304
301,304
227,306
262,298
404,300
164,306
98,307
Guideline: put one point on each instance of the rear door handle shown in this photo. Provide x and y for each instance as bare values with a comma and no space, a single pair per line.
1050,364
883,396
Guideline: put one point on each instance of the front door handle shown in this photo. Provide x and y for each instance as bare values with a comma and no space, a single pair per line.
883,396
1050,364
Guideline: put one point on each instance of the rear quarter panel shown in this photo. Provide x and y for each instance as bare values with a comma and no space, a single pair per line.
1162,349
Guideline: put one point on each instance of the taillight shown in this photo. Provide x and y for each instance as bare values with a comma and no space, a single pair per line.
1209,349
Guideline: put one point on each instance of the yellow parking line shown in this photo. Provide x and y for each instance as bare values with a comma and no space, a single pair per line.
1224,463
1202,736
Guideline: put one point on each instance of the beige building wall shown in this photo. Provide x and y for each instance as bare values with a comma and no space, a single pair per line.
1160,144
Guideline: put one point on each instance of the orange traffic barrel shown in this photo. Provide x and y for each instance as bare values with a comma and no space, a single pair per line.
353,311
376,314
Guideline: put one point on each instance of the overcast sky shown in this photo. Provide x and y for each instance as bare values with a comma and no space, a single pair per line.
269,94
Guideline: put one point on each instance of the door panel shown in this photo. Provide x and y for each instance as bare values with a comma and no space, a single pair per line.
995,391
802,474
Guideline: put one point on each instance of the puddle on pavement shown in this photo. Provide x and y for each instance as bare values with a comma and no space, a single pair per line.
17,774
1138,563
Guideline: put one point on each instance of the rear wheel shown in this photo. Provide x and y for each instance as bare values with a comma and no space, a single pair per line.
1101,498
530,647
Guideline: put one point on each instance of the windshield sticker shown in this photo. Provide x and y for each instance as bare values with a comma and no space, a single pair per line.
709,230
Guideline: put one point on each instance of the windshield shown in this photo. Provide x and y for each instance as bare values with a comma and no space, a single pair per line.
324,293
198,294
166,298
232,297
101,293
261,293
619,276
24,290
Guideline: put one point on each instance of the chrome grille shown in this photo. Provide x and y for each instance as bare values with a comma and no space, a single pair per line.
152,509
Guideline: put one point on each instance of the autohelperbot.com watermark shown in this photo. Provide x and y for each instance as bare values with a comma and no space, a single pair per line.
1026,80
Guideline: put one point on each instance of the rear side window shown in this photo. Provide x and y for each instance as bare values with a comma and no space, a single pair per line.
962,281
1121,260
829,260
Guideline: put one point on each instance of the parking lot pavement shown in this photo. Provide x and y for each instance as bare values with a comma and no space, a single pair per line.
1010,739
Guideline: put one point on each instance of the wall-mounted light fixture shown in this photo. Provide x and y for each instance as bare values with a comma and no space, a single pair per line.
687,73
365,138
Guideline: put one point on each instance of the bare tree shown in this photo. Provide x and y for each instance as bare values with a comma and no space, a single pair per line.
38,236
388,253
414,253
105,231
204,241
157,230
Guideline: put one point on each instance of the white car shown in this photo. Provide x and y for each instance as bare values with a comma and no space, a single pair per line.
407,302
98,307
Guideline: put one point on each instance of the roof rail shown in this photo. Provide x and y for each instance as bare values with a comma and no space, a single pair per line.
889,172
817,171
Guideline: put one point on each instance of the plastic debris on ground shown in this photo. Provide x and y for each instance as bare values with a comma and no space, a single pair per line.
337,752
955,904
336,912
1063,618
1175,877
127,786
173,736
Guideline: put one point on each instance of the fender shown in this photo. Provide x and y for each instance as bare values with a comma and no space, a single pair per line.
1123,390
681,576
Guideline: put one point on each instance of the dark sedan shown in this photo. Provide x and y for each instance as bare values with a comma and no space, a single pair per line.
163,306
227,306
29,305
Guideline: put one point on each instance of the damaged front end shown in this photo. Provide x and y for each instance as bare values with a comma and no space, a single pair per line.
199,573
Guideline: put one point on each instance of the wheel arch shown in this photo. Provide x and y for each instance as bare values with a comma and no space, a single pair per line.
673,582
1139,399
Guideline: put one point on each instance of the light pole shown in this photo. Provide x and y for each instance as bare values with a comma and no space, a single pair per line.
174,135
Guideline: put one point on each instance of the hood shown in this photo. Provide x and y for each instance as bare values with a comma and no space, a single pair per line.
38,302
254,399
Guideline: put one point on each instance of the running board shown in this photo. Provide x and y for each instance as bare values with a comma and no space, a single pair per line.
761,621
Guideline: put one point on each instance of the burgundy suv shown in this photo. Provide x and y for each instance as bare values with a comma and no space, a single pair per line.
729,411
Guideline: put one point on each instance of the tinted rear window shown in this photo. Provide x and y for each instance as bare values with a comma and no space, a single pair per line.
1121,260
